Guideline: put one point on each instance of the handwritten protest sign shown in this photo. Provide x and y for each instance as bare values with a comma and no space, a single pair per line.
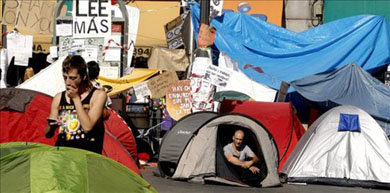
33,15
159,85
217,76
179,99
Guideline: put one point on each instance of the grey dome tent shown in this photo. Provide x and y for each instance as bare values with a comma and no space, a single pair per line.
345,146
193,149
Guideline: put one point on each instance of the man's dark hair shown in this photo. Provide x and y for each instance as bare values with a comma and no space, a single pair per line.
93,70
77,62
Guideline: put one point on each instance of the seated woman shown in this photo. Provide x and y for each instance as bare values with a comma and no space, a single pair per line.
242,158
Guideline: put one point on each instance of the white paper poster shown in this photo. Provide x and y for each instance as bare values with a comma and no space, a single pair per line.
134,15
112,55
54,51
20,46
64,29
141,90
200,65
202,93
90,54
91,18
4,67
217,76
216,8
109,71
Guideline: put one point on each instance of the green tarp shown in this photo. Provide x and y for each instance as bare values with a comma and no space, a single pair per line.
338,9
31,167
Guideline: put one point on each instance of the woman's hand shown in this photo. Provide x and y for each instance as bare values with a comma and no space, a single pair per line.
72,91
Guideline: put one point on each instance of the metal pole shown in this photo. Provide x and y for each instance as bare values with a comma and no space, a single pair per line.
204,19
205,11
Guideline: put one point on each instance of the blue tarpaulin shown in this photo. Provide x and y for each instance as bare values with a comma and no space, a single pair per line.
270,54
349,85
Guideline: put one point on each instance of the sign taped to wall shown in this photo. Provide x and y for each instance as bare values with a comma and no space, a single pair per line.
91,18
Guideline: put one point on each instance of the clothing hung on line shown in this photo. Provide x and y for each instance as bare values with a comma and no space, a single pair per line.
71,133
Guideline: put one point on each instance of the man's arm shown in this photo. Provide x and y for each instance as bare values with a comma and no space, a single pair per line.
254,158
233,160
53,115
95,112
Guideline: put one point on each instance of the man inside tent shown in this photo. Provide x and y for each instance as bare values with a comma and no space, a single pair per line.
242,158
78,110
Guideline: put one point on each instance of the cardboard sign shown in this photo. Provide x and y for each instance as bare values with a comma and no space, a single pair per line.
178,99
217,76
33,15
92,18
159,85
173,31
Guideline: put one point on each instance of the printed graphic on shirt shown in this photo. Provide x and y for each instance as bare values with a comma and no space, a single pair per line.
70,127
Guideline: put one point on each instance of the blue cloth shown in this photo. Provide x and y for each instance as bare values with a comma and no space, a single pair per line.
284,55
349,122
349,85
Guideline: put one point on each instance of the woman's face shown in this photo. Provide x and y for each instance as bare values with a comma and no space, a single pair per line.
72,78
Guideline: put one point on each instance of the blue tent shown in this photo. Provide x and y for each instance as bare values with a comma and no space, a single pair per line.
349,85
269,54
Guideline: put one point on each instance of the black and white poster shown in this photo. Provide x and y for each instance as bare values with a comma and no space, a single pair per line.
91,18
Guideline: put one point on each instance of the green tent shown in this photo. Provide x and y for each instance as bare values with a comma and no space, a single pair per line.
32,167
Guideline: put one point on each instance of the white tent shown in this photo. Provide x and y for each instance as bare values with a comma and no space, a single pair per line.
49,80
345,146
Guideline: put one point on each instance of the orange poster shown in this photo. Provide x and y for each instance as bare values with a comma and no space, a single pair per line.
178,99
272,9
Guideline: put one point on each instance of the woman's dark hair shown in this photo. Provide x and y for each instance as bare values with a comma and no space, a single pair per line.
77,62
93,70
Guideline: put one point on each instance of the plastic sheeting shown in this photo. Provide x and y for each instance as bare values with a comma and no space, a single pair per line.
285,55
349,85
124,83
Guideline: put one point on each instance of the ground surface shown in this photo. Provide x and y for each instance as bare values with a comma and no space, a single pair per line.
171,186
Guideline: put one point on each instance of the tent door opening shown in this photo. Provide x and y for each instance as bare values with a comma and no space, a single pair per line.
226,170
